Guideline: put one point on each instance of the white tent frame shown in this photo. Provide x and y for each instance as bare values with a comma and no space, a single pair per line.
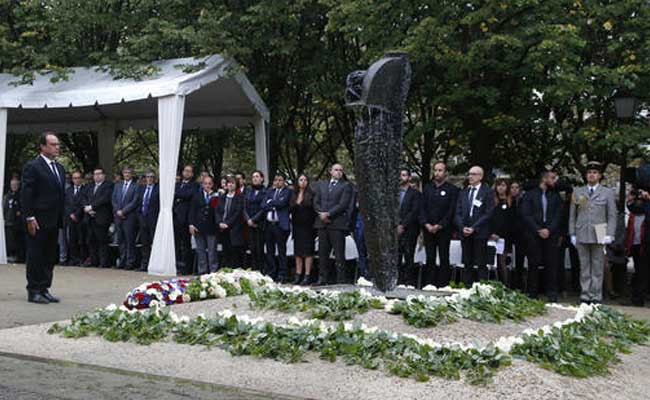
241,106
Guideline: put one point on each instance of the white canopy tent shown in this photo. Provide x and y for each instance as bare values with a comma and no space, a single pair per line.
214,94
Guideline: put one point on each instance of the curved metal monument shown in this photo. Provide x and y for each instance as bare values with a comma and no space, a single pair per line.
378,96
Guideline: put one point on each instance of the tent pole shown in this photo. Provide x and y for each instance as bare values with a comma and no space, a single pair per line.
3,151
262,147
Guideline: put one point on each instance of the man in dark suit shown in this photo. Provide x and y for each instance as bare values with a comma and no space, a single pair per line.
98,210
42,201
276,208
147,211
73,219
185,190
408,228
125,204
437,220
332,203
473,211
541,212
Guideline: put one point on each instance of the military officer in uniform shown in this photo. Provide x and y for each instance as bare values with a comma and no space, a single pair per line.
592,226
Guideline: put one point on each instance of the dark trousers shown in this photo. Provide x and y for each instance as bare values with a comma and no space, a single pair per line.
183,244
41,256
519,246
406,254
329,239
437,245
74,236
543,252
641,273
126,232
98,244
147,232
256,245
233,256
474,255
276,238
15,237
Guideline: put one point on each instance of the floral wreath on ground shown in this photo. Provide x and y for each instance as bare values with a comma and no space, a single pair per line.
217,285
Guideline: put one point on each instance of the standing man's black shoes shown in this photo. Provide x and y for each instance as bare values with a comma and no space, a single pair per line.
35,297
49,297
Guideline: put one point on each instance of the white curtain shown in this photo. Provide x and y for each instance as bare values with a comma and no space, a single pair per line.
170,128
3,150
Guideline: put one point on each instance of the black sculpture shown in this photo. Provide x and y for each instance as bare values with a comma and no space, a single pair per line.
378,96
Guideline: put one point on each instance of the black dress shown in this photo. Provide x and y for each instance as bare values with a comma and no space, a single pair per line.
503,220
303,217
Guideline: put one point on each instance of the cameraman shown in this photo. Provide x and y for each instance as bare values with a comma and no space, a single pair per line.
637,242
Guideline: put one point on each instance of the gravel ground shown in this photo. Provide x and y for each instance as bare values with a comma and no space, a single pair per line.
324,380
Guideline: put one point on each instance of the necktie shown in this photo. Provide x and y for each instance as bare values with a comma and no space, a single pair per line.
544,206
471,201
145,202
95,189
207,198
54,171
274,215
332,184
76,189
124,190
591,191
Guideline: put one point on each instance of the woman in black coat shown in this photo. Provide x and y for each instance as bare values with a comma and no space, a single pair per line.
303,217
503,220
229,219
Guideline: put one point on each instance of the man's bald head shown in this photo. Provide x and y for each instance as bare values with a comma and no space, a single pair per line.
337,171
475,175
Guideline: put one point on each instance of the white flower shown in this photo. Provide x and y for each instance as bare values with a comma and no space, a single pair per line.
364,282
429,288
203,294
111,307
186,298
219,292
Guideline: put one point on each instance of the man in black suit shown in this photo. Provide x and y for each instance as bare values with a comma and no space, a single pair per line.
408,228
125,204
541,211
98,210
278,225
72,220
42,201
148,209
332,203
185,190
437,220
473,211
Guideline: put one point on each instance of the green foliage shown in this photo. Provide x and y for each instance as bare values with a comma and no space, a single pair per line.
332,306
494,303
584,349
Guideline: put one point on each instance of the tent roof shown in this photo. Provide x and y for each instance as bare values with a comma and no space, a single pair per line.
218,90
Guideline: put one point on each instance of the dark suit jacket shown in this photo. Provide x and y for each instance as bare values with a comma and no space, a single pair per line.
480,220
202,215
337,202
100,202
43,196
280,205
182,199
254,207
128,202
151,216
234,219
439,205
409,211
532,212
73,205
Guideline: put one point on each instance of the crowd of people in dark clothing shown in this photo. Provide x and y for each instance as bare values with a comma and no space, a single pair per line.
517,236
